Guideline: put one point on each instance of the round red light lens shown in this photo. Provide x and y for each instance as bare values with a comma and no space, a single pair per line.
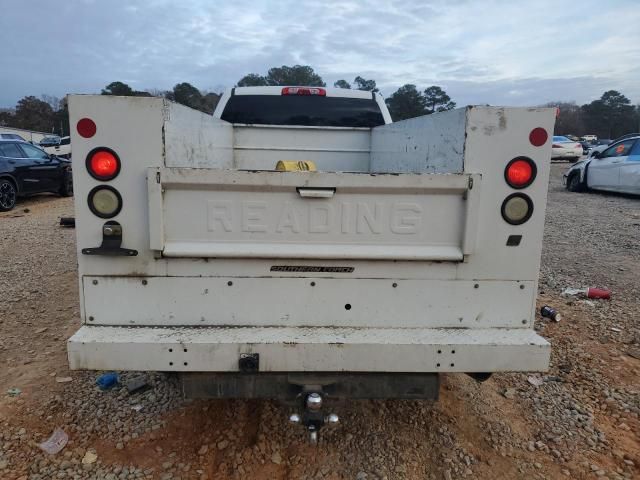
538,137
103,164
86,127
520,172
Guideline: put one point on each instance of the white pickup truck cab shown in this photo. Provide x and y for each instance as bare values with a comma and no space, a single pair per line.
58,146
413,250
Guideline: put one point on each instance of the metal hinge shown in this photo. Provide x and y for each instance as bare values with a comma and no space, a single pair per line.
470,183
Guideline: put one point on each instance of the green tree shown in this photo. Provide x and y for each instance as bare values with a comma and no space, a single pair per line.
122,90
362,84
570,119
253,80
188,95
209,102
118,88
55,102
302,75
610,116
6,119
61,119
437,100
406,102
34,114
297,75
359,83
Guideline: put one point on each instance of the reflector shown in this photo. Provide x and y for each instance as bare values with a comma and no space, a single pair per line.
103,164
86,127
538,137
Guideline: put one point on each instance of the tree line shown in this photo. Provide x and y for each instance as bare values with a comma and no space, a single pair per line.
406,102
608,117
50,114
611,116
44,114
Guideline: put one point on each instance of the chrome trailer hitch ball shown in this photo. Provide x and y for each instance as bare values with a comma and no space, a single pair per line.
313,417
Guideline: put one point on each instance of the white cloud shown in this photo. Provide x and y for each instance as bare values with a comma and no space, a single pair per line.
525,52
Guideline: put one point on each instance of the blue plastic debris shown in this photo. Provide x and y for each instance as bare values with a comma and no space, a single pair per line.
107,380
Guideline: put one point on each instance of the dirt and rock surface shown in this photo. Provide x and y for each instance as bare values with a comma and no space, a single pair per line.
579,420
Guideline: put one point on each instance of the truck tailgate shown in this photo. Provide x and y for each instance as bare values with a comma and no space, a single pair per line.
265,214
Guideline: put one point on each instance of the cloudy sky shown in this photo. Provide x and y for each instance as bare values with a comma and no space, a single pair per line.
524,52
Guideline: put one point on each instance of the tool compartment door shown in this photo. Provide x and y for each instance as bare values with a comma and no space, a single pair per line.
207,213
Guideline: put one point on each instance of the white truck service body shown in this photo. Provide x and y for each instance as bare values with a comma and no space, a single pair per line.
396,257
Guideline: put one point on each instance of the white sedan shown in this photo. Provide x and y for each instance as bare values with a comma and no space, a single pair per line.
563,147
616,169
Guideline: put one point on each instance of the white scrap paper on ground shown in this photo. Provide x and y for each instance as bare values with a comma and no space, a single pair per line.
535,381
55,442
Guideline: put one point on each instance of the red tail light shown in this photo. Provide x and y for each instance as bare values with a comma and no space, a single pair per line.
103,164
321,92
520,172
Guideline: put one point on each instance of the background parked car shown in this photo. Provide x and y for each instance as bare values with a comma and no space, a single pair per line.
50,141
26,169
11,136
615,169
564,148
603,143
58,146
599,146
586,147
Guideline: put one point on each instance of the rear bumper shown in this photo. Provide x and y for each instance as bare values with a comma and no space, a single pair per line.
566,154
308,349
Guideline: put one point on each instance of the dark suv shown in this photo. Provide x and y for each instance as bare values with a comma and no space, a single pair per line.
26,169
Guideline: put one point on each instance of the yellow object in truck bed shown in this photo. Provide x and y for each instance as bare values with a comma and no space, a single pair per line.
296,166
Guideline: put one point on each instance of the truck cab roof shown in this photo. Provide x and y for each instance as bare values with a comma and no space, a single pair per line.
303,106
328,92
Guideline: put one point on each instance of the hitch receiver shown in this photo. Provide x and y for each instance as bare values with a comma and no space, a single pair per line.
313,417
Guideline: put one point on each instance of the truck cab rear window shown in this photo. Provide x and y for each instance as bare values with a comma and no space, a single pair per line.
303,110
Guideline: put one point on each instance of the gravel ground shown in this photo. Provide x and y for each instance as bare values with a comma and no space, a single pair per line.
579,420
